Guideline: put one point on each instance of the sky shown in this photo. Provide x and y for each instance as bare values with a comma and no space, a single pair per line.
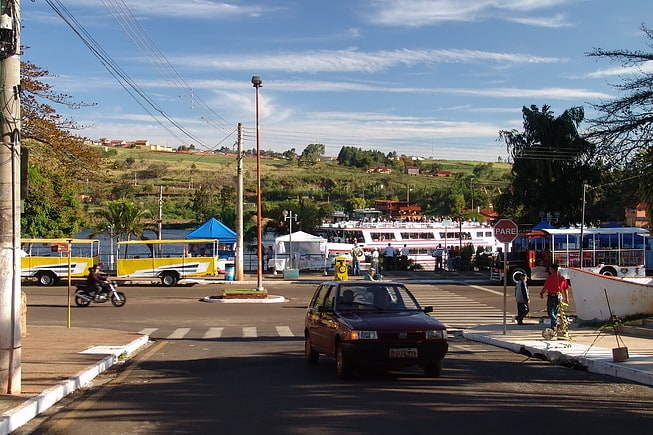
433,79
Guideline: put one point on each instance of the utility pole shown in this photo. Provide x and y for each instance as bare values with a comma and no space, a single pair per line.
10,291
239,208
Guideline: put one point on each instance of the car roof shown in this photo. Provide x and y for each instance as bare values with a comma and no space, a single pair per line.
362,282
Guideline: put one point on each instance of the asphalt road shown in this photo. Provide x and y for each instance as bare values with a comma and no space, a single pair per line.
222,368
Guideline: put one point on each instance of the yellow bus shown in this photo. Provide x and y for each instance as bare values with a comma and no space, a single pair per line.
46,260
168,260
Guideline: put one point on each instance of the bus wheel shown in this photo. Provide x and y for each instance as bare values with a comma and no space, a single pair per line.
608,271
46,278
169,279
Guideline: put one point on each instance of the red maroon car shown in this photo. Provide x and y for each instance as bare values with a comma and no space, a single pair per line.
372,324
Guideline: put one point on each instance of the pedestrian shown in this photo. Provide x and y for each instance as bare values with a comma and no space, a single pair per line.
449,252
556,289
372,275
375,260
522,297
356,253
389,257
438,253
404,257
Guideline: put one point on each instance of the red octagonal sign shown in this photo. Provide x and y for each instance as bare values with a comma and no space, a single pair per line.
505,230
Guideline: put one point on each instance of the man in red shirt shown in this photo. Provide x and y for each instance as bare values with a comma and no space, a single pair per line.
555,287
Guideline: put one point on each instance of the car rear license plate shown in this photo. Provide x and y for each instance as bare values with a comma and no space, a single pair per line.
407,352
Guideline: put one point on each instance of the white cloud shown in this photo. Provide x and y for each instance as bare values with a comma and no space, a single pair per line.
419,13
354,60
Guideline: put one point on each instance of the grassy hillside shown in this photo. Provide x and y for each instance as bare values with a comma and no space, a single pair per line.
142,173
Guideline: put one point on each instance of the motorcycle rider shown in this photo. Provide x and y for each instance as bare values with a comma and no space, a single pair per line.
95,280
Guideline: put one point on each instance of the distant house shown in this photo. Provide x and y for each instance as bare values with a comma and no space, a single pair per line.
379,170
636,217
411,170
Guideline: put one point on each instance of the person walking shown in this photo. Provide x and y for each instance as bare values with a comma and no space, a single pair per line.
389,257
375,260
405,252
522,297
438,253
556,289
356,253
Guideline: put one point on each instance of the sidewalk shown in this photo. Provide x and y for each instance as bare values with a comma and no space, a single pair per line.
587,348
57,361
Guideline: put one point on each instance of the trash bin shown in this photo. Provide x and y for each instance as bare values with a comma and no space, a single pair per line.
341,269
229,271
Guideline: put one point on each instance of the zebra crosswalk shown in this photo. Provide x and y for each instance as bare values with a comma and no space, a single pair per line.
210,333
454,310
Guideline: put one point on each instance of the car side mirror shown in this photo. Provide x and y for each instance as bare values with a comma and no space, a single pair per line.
428,309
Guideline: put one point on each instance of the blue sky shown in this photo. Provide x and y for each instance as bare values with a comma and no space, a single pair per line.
426,78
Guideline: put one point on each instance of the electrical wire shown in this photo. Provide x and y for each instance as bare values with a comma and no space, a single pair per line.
120,75
151,52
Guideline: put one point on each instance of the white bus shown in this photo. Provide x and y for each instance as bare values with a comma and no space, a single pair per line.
619,251
168,260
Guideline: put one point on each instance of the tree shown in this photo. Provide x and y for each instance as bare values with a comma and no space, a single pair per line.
624,127
311,154
551,164
58,161
125,218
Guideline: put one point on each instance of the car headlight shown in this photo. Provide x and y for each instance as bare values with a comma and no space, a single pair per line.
437,334
363,335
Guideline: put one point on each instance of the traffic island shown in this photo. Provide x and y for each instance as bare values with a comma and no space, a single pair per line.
244,294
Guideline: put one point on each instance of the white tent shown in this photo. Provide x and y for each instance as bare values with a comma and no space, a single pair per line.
308,251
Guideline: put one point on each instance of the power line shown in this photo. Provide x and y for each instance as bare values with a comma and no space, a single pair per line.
121,76
139,36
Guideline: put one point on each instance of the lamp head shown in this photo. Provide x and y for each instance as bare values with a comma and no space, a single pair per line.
256,81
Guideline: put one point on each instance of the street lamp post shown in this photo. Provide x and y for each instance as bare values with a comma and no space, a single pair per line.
471,183
257,83
290,216
111,258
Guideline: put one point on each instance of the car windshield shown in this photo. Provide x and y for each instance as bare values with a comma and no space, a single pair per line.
375,297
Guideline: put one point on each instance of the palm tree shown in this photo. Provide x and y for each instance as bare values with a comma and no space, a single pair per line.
122,218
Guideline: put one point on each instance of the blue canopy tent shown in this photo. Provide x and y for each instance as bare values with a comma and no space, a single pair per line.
214,229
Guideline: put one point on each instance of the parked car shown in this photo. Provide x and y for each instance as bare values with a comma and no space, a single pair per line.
372,324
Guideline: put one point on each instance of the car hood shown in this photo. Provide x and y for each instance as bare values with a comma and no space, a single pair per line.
391,321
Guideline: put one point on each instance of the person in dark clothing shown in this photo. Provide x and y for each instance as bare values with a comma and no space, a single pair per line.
95,280
522,298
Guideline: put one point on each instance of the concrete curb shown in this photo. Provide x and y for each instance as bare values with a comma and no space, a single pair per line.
271,299
593,359
17,417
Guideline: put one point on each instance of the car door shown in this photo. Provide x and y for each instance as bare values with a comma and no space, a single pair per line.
322,319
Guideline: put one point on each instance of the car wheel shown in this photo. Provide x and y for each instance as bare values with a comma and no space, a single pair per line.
310,355
343,365
433,370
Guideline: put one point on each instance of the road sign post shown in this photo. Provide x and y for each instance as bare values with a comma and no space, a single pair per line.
505,231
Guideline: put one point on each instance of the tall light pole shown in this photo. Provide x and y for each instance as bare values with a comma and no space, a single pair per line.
289,216
257,82
471,184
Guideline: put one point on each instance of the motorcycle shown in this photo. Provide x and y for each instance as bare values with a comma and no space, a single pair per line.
84,296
